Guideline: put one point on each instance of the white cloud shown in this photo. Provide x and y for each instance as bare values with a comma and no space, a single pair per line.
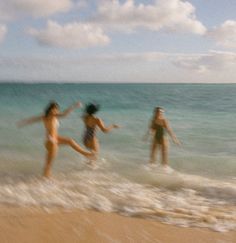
129,57
225,35
211,67
170,15
214,61
11,9
73,35
3,31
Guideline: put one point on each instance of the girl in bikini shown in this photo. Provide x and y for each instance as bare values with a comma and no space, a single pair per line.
91,123
53,140
158,128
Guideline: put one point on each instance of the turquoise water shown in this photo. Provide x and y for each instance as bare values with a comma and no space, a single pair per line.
202,116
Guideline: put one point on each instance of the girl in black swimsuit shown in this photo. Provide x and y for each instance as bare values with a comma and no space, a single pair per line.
158,128
91,123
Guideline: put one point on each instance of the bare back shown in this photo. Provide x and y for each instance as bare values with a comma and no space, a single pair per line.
90,121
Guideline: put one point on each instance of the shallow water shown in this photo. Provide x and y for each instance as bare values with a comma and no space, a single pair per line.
201,191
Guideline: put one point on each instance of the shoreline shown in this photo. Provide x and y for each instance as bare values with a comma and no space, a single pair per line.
28,224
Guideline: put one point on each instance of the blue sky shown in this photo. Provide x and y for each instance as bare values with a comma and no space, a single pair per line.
118,41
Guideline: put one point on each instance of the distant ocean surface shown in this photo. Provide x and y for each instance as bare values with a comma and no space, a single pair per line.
200,192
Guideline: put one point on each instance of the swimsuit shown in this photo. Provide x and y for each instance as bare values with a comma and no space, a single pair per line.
89,134
52,139
160,133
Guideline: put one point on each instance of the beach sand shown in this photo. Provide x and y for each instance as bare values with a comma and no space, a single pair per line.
28,225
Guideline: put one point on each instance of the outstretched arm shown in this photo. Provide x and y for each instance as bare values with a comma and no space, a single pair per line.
105,129
171,133
29,121
69,110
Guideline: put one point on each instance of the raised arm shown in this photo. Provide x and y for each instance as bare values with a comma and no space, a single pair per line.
29,121
171,133
69,110
105,129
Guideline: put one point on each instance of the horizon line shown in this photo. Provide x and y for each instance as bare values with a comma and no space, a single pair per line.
101,82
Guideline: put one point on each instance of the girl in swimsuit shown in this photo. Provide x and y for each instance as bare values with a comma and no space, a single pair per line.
158,128
53,140
91,123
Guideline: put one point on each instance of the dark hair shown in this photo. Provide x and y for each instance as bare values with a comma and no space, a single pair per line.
91,108
49,107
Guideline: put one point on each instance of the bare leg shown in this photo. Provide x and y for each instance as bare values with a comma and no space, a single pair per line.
93,145
75,146
96,146
51,154
164,152
153,152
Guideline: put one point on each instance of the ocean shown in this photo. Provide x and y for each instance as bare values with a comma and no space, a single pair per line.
201,190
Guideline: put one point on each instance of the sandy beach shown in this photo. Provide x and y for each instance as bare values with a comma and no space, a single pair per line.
37,225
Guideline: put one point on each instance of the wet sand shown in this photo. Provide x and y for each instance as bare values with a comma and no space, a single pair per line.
36,225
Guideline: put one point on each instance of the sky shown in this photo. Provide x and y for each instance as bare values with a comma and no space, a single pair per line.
161,41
